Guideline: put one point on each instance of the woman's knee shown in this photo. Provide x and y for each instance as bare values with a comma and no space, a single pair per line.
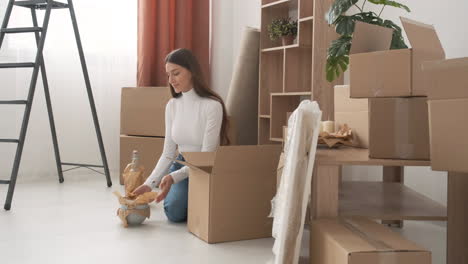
176,210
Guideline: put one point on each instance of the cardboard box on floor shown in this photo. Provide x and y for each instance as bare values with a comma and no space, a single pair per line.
230,192
448,114
399,128
361,241
354,113
150,149
142,111
376,71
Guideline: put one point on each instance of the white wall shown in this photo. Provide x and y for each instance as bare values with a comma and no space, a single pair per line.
229,18
108,32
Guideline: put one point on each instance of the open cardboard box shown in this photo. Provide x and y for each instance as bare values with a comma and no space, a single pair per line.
448,114
361,241
230,192
376,71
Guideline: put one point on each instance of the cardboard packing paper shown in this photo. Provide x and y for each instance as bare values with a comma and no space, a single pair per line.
290,203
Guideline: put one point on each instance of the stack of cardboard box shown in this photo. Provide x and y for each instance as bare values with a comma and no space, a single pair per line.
448,113
396,86
142,120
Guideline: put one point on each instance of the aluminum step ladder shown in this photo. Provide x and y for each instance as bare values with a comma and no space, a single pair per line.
40,34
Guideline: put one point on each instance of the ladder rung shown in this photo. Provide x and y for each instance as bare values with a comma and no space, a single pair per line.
17,65
40,4
82,165
4,182
21,30
14,102
9,140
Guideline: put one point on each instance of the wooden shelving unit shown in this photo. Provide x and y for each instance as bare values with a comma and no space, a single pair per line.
287,72
388,201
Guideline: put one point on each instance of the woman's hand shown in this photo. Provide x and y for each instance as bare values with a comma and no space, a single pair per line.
141,190
165,186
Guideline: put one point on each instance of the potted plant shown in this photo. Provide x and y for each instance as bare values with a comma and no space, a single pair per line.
338,52
284,28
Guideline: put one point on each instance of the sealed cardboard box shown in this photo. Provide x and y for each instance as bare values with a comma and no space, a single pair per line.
399,128
354,113
150,149
230,192
376,71
142,111
448,122
361,241
448,114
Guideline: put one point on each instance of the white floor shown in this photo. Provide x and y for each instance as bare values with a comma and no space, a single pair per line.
76,222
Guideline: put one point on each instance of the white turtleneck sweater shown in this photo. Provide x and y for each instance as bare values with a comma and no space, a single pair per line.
193,124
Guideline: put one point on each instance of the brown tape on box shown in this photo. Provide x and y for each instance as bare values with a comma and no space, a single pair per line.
380,246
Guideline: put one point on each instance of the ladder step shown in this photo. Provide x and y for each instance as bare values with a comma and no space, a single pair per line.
82,165
21,30
14,102
40,4
9,140
17,65
4,182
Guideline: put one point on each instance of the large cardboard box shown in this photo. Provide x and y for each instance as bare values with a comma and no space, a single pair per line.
376,71
230,192
399,128
150,149
142,111
361,241
354,113
448,114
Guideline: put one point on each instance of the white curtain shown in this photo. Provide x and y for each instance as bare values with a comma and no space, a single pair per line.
108,30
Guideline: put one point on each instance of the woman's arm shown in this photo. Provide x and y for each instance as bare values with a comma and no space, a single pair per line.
168,154
211,137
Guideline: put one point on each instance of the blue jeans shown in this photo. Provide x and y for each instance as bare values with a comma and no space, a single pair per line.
176,201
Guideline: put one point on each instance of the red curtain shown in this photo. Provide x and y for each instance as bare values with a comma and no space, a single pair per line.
165,25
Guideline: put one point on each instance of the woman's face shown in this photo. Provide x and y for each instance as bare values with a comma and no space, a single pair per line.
179,77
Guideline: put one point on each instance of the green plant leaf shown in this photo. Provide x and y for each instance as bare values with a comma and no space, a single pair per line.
282,27
344,25
390,3
339,7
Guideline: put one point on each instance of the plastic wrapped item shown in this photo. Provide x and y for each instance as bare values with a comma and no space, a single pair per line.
134,212
289,206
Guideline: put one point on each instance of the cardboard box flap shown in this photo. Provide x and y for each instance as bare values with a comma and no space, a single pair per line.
203,169
200,159
369,38
231,159
423,37
450,64
363,235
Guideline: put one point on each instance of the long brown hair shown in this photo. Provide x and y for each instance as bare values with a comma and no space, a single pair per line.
186,59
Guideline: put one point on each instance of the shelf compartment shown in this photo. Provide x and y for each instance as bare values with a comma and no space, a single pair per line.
280,105
281,48
264,132
272,3
298,72
306,8
304,19
275,10
271,78
306,32
387,201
